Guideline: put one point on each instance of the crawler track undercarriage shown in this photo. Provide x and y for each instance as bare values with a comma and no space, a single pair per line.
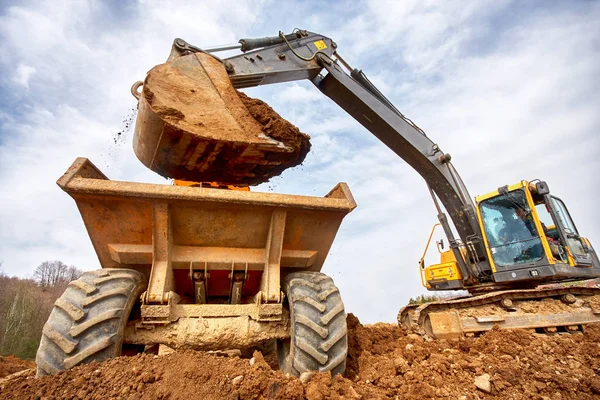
548,310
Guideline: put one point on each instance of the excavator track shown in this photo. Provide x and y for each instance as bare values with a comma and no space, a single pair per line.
548,310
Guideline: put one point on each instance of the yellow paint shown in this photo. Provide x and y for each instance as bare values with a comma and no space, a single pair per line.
485,239
442,272
570,256
320,45
538,226
446,270
447,257
215,185
518,185
587,242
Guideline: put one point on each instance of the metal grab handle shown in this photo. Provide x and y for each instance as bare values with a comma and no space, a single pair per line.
134,90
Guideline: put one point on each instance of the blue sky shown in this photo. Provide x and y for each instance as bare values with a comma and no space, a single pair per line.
509,88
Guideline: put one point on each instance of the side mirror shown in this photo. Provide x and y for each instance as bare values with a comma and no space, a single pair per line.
542,188
441,244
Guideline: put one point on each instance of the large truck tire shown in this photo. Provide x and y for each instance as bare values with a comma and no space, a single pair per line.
318,332
88,320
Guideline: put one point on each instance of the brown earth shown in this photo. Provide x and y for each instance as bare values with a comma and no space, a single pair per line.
383,363
543,306
276,127
193,125
9,365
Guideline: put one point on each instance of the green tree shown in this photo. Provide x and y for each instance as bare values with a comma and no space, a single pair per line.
424,298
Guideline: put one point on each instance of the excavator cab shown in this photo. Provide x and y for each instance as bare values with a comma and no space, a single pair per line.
530,239
530,235
531,242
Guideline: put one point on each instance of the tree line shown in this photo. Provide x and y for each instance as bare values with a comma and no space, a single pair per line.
25,305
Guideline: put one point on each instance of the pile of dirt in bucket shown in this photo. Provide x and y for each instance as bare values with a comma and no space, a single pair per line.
383,363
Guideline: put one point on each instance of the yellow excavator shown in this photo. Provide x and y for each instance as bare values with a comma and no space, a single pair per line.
530,240
504,246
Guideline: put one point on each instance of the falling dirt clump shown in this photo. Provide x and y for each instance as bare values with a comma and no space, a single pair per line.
383,362
127,124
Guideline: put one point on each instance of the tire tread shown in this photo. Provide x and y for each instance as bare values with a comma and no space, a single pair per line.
88,320
319,339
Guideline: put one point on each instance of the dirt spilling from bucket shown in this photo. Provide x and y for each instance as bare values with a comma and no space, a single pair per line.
383,363
278,128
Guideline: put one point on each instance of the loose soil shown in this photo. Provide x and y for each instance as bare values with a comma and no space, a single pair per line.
193,125
543,306
383,363
278,128
9,365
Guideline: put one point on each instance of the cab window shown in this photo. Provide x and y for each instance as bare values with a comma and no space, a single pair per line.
510,229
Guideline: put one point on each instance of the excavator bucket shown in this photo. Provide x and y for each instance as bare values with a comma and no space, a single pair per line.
193,125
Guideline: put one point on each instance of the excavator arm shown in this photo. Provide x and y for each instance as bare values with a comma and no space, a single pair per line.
306,55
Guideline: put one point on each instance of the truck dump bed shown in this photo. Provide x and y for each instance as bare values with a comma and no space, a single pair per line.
167,232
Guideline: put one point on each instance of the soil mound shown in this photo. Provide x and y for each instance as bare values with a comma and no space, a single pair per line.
383,362
9,365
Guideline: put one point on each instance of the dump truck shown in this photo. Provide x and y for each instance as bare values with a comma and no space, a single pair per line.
201,268
208,268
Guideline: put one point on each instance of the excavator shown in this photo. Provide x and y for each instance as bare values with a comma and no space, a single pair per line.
505,247
210,265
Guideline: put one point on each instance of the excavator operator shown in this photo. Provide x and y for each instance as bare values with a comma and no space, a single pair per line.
527,218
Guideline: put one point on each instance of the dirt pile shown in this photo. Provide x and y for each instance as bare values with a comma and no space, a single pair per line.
278,128
193,125
10,365
383,363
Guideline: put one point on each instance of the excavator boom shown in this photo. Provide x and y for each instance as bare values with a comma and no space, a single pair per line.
312,56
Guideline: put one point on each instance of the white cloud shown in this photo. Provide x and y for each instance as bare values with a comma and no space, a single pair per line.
510,93
23,74
297,94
